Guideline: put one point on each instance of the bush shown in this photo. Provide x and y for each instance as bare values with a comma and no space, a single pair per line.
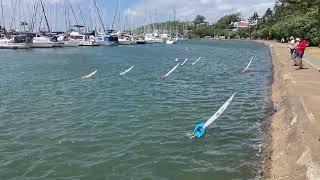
264,33
297,25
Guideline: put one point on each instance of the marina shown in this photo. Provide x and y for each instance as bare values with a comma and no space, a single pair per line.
37,32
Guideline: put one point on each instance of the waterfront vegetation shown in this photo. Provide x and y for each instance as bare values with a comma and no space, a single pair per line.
287,18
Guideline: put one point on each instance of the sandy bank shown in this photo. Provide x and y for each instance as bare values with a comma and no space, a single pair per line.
294,145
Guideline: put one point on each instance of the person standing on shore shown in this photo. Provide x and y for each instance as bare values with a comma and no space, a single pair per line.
295,55
292,46
300,51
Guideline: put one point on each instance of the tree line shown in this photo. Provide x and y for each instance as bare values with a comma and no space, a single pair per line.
298,18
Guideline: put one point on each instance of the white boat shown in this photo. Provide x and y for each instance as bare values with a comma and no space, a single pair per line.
41,42
76,39
153,38
87,41
71,43
170,41
125,41
165,36
15,42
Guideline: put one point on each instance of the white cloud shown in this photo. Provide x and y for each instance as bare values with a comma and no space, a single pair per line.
130,12
188,9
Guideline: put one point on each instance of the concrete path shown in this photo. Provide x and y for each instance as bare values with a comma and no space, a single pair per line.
295,127
313,61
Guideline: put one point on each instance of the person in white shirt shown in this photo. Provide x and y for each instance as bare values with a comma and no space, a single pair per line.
292,47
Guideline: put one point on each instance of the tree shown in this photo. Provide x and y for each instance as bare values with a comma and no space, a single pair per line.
254,17
244,33
199,19
306,5
24,24
267,18
225,21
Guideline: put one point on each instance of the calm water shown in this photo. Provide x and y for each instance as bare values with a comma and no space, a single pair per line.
53,125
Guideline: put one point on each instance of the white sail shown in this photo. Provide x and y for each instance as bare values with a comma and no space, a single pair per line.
173,69
184,61
246,69
89,75
219,112
126,71
196,61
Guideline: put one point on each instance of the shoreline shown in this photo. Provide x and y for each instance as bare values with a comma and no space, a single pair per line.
292,134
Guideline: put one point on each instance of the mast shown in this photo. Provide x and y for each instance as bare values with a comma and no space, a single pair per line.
114,17
91,17
104,29
74,15
45,16
13,20
2,17
119,15
83,21
33,18
174,17
56,17
65,15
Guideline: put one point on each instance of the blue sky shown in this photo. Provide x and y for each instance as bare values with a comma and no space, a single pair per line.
136,11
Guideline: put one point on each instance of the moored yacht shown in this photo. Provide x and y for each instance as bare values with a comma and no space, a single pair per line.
76,39
153,38
15,42
106,39
125,40
41,42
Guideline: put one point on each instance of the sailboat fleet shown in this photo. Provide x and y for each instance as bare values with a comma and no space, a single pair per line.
76,35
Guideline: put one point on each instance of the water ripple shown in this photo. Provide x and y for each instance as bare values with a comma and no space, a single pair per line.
56,126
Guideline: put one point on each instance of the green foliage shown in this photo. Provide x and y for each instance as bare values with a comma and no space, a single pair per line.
298,26
233,35
255,16
267,18
264,33
199,19
299,18
225,21
221,32
244,33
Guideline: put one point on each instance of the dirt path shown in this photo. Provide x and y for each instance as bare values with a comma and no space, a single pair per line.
294,148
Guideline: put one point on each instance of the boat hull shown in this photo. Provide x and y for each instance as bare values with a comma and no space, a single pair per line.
57,45
107,40
15,46
152,41
125,42
42,45
71,43
141,42
87,43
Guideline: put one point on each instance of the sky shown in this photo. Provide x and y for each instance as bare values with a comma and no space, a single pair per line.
133,12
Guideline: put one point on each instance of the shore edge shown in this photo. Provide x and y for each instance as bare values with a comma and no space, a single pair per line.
292,133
